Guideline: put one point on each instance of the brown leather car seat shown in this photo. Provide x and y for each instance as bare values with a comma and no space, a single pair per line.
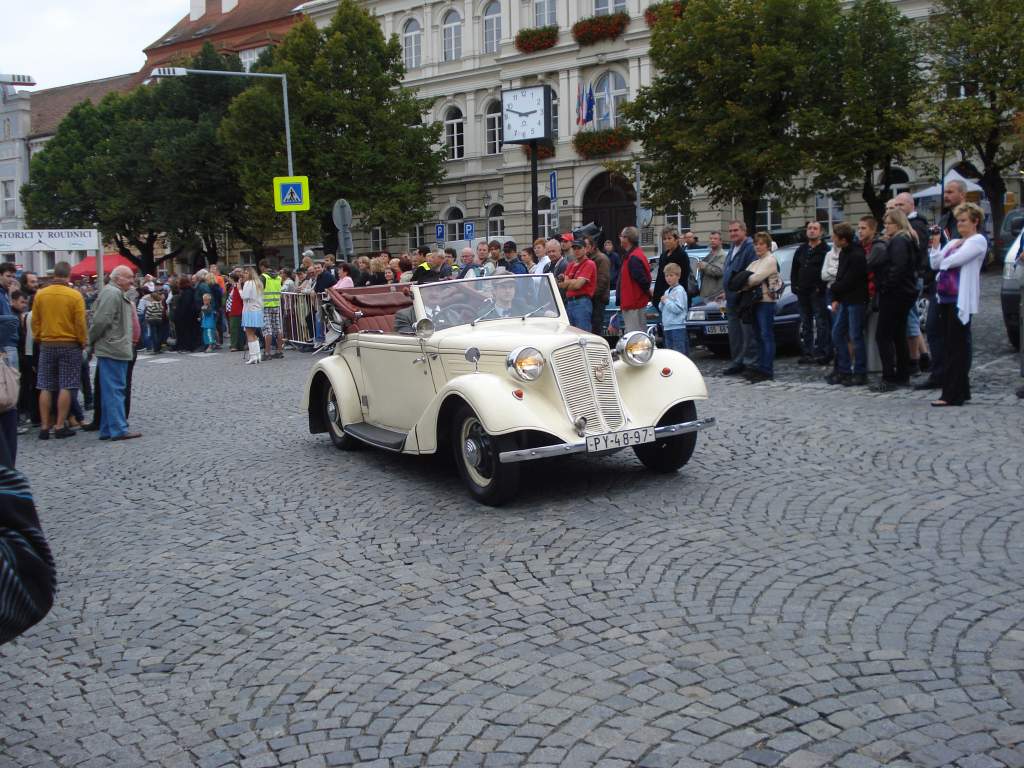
372,308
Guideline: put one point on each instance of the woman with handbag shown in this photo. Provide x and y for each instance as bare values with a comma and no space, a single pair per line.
896,279
958,290
766,284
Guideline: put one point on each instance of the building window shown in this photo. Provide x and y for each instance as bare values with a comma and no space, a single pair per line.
605,7
249,57
554,114
412,44
769,215
677,217
492,27
455,227
827,209
899,181
7,128
454,134
496,221
610,94
378,239
7,198
451,36
494,132
49,260
416,238
544,13
547,220
8,258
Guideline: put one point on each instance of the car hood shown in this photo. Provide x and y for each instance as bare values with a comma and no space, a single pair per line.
502,336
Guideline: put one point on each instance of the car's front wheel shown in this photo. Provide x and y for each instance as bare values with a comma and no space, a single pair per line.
476,455
332,418
670,453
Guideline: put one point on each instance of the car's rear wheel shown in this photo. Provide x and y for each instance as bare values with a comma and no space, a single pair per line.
670,453
332,418
476,455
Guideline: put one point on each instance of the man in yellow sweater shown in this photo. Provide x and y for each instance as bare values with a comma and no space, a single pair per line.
58,327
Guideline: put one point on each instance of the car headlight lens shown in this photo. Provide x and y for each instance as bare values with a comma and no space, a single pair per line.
636,348
1009,270
525,363
697,314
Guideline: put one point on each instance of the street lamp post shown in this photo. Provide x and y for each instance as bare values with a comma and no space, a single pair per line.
182,71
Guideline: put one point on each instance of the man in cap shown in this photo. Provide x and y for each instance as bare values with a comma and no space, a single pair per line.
579,281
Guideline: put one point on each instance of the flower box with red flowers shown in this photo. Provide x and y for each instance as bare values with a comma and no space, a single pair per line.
545,150
598,28
536,39
590,144
661,11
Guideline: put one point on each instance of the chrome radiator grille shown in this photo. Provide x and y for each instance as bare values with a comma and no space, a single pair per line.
587,382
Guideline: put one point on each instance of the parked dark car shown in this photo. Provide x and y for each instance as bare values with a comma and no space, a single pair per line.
1013,222
1009,293
707,327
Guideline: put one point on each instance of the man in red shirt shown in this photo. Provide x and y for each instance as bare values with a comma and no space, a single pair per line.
579,282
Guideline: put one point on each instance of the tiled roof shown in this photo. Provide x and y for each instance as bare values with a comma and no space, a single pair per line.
246,14
49,107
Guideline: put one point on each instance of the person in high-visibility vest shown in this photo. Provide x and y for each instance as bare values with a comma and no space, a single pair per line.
272,329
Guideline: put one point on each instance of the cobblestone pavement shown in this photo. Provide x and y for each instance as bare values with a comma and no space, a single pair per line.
837,578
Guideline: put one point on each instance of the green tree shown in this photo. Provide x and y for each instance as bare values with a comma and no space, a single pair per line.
978,88
357,132
727,110
871,120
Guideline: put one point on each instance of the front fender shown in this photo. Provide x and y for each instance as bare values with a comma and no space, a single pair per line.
499,411
647,393
335,371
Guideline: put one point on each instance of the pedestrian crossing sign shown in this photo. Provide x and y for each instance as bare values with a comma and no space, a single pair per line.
291,193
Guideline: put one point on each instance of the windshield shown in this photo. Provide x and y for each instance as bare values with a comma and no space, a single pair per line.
456,302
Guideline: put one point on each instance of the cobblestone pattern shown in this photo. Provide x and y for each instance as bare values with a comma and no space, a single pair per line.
837,578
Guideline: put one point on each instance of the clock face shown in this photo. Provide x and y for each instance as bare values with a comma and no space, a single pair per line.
524,114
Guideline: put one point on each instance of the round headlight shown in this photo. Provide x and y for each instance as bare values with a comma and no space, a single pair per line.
636,348
525,363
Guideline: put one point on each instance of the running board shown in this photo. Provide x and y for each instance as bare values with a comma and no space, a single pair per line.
388,439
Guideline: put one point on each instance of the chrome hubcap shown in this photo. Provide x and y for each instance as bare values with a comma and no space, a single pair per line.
471,450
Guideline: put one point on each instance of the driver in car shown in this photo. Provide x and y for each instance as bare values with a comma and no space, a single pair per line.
505,304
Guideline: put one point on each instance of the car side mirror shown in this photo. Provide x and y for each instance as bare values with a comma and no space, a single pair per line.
473,356
424,328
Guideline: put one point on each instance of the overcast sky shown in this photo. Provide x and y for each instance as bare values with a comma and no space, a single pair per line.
59,42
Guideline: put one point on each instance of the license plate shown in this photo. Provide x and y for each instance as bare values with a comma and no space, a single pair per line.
624,439
716,330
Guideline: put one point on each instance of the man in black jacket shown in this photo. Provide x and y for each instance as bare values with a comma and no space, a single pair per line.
674,252
849,303
805,278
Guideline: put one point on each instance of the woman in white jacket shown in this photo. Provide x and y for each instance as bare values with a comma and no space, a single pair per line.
958,288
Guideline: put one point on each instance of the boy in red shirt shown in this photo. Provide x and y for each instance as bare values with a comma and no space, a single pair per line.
579,281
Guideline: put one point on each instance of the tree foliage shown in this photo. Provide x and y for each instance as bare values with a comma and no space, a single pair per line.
871,120
357,133
143,164
978,88
729,108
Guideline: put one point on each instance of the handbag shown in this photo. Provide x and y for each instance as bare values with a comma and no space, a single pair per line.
947,286
10,384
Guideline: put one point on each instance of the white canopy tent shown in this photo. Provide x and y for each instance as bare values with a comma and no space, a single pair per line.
936,189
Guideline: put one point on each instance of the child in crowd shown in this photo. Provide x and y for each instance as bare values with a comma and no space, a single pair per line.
154,319
674,306
208,322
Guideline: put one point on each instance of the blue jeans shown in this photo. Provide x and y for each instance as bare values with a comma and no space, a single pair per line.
675,338
580,310
764,335
113,380
849,327
815,327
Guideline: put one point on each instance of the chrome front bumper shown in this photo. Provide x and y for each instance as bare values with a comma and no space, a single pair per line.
562,449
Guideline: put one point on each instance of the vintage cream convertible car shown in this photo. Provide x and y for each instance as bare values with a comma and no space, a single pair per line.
491,370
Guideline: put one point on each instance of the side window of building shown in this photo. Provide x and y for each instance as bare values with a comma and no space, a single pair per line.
451,36
412,44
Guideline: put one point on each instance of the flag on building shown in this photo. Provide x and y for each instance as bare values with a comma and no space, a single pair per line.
579,104
589,118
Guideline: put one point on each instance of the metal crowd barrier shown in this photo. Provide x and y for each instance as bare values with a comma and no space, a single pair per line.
300,318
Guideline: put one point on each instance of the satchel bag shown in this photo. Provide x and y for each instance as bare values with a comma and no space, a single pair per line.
947,286
774,286
10,383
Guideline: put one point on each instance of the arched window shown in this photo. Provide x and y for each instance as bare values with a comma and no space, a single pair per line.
899,180
412,44
454,134
610,94
492,27
451,36
496,221
455,227
544,13
493,130
605,7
